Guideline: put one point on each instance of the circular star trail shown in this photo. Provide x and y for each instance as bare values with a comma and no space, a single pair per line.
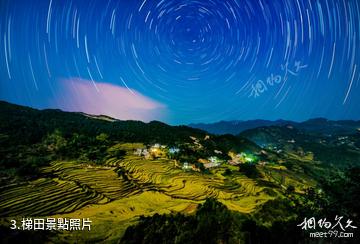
203,60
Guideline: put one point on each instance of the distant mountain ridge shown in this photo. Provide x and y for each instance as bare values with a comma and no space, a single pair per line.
23,125
318,125
235,127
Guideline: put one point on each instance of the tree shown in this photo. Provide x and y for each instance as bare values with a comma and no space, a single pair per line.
249,170
103,137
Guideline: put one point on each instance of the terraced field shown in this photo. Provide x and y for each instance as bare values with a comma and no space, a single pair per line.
66,187
163,176
102,180
73,190
38,197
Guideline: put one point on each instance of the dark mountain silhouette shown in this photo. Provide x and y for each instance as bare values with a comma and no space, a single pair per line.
317,125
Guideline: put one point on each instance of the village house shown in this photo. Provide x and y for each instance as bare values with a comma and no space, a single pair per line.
213,159
157,150
232,162
156,145
262,163
203,161
186,166
174,150
211,165
141,152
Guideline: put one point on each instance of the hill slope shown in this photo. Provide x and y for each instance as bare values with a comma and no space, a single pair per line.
340,150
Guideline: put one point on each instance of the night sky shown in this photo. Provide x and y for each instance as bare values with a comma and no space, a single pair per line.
184,61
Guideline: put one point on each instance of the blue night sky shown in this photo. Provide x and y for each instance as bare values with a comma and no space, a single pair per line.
183,61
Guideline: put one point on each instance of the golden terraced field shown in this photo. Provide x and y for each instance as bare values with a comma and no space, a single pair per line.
73,190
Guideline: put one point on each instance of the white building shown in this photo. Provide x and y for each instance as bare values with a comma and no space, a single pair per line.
211,165
186,166
173,150
213,159
141,152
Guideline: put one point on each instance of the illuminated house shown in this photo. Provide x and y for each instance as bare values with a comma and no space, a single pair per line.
213,159
156,145
186,166
213,162
140,151
211,165
173,150
232,162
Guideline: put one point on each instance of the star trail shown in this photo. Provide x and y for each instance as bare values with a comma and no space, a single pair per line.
184,61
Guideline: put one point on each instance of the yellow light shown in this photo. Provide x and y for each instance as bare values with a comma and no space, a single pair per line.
248,159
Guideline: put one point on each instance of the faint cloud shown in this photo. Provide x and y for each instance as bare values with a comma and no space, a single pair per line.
100,98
